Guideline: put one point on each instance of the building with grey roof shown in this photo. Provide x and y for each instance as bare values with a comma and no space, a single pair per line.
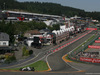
4,39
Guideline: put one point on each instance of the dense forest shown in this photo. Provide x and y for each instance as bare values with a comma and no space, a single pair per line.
46,8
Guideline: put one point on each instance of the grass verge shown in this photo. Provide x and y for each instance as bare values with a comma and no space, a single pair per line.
38,66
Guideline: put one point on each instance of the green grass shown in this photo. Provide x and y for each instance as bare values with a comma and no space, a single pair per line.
39,66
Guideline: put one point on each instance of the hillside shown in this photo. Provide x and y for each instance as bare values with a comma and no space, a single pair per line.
46,8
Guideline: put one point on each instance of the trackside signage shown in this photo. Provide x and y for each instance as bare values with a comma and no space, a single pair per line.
95,47
96,61
89,60
21,18
86,59
97,41
91,28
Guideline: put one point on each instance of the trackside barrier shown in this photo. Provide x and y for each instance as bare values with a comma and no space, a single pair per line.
73,55
92,60
91,28
97,41
94,47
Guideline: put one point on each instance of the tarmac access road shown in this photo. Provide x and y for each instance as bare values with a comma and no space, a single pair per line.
41,73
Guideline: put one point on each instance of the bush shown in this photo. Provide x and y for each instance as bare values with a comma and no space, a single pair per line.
10,59
25,51
2,56
30,52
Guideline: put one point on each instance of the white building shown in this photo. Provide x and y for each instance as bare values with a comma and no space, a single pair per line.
75,17
71,28
44,38
50,22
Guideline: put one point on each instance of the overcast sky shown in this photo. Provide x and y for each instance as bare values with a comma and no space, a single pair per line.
87,5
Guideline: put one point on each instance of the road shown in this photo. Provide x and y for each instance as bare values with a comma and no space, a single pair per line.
35,73
40,56
55,60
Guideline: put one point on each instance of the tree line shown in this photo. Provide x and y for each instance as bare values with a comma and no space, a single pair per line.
46,8
19,28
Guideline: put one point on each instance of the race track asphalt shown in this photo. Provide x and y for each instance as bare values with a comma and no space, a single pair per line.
55,60
40,73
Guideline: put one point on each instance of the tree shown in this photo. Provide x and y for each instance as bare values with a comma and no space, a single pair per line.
46,8
25,51
54,27
30,52
10,59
